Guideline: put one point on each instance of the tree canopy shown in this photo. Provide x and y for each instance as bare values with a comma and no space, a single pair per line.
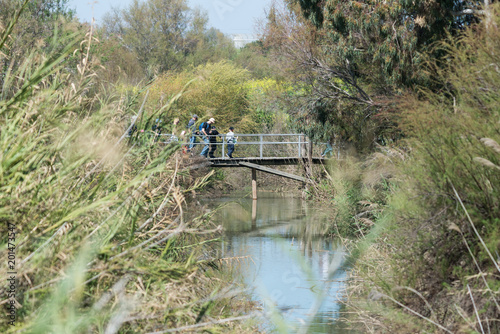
36,24
167,35
389,36
354,58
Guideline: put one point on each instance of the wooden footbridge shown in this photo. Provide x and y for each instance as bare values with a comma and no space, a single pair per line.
258,151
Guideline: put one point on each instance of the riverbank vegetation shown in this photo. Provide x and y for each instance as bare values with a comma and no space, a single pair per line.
94,231
440,220
413,106
406,92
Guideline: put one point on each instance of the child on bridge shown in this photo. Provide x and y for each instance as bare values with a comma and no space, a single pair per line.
231,140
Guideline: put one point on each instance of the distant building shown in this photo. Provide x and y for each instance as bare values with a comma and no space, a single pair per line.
240,40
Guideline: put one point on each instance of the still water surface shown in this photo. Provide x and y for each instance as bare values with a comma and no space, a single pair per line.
295,273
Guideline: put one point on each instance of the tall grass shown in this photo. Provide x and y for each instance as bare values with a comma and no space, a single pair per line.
431,261
101,243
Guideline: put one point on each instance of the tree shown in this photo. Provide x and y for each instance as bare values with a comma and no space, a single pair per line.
39,26
153,29
118,62
36,23
352,59
390,36
328,100
255,58
209,46
168,35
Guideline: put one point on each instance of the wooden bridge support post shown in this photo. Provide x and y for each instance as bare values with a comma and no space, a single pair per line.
254,213
254,183
308,165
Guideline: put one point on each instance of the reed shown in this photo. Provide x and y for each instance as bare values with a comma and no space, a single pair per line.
430,261
100,239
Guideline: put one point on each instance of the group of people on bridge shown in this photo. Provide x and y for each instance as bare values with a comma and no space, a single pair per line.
209,135
206,130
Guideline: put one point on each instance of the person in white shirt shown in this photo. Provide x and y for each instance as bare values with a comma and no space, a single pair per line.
231,140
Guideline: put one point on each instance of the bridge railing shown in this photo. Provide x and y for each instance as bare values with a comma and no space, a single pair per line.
264,145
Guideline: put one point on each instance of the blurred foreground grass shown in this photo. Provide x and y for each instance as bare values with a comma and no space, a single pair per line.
96,218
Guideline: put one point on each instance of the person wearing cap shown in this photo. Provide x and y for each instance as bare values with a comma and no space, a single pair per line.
205,129
231,140
191,128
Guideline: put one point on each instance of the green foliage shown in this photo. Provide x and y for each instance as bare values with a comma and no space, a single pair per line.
457,133
209,46
344,188
313,10
330,100
384,41
35,26
92,214
265,107
119,64
356,57
440,226
218,91
154,30
256,59
167,35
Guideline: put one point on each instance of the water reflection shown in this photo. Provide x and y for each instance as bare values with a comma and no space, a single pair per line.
295,270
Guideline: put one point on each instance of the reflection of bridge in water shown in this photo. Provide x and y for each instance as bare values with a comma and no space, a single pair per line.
279,247
256,151
284,218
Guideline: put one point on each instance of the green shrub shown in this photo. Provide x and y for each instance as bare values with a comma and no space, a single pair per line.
216,90
101,243
440,227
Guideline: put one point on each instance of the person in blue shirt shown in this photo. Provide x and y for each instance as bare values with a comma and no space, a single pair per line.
328,152
205,129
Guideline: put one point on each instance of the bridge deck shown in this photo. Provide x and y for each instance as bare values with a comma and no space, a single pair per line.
268,161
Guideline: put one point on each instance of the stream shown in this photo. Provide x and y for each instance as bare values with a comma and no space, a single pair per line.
277,246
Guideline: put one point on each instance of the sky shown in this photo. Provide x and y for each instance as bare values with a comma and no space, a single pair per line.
229,16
